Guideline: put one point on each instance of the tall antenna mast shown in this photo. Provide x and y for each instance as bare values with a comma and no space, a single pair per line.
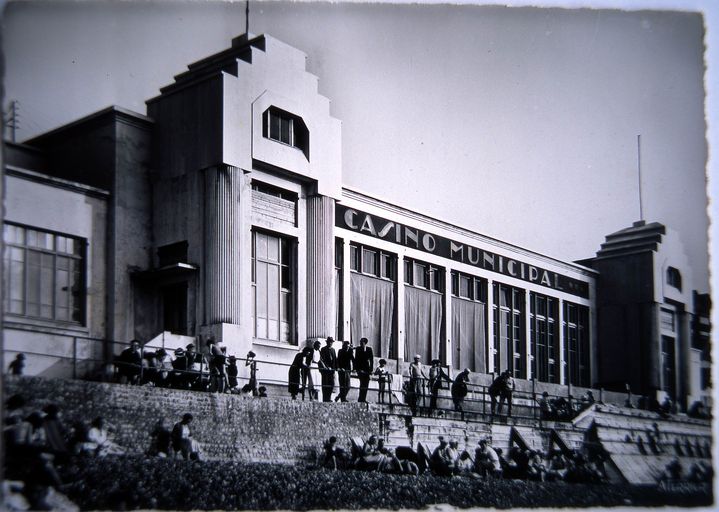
247,17
639,174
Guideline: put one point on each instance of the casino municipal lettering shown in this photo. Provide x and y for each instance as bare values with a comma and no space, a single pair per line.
223,212
427,242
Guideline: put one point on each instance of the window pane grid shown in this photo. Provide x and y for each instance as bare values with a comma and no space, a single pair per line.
43,274
273,272
576,337
543,324
424,275
509,339
372,262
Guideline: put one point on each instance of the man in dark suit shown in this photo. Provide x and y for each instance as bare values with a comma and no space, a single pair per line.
328,365
364,364
129,363
345,358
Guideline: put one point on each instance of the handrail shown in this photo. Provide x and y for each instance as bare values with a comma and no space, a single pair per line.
525,404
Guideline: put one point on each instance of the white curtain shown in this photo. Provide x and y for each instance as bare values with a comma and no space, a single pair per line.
371,312
337,303
422,323
468,335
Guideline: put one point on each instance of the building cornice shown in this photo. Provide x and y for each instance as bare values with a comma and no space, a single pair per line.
120,114
37,177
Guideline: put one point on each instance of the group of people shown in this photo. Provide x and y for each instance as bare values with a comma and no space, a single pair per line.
414,389
699,472
178,441
318,368
314,368
486,462
36,441
187,368
563,409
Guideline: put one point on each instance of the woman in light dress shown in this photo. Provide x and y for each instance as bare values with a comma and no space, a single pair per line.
315,379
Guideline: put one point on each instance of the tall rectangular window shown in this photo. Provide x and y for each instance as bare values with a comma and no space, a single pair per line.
372,298
668,331
338,287
469,313
509,348
576,344
44,274
544,337
272,280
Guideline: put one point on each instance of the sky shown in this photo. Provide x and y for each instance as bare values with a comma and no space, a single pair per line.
519,123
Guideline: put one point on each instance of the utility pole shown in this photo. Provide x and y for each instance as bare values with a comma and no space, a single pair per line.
12,119
247,17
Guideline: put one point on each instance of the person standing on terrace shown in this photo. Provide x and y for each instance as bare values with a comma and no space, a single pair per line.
364,364
328,365
345,360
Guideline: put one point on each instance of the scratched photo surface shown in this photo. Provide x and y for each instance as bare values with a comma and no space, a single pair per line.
520,193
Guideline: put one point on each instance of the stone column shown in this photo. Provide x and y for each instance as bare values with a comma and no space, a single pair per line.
563,376
491,348
399,287
528,341
320,266
450,344
221,277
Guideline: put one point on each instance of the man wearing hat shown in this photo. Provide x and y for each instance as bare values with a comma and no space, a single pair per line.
180,365
130,363
416,381
328,365
163,365
486,460
345,358
200,378
364,364
460,389
17,366
438,459
436,376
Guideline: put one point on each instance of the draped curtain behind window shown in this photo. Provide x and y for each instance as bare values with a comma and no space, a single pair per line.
468,339
372,310
423,323
337,303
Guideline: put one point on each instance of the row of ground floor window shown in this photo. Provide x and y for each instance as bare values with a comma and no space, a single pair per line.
534,335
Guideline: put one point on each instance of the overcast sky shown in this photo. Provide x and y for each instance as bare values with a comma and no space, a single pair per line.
519,123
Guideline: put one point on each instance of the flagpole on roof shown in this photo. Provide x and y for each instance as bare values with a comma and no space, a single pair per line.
639,173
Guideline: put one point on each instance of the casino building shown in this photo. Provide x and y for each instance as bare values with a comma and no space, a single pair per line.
223,212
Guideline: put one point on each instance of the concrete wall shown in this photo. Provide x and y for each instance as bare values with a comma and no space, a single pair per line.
229,427
73,212
212,117
625,311
131,236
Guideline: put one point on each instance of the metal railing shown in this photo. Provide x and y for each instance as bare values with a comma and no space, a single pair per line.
96,359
